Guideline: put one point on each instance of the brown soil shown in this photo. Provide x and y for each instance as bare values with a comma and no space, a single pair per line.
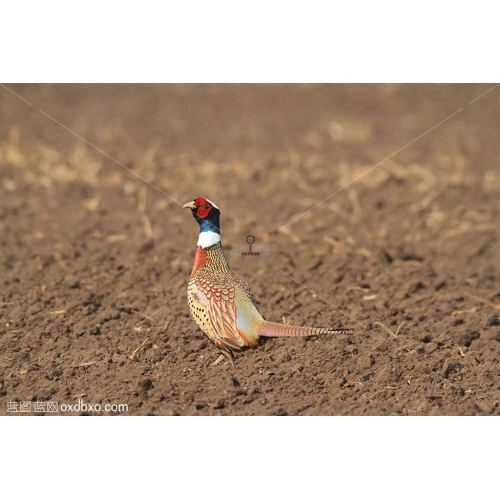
95,261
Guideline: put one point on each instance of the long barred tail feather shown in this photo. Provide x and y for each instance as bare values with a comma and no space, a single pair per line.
268,329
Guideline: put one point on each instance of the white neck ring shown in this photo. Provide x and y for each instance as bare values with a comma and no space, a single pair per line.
208,238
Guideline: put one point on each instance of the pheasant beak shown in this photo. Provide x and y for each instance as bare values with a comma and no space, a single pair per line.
190,205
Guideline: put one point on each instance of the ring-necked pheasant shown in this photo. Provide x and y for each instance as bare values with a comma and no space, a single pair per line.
220,301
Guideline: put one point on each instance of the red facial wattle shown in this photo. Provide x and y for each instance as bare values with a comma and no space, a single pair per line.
202,207
203,212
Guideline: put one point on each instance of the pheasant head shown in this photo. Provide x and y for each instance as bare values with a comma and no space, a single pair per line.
207,214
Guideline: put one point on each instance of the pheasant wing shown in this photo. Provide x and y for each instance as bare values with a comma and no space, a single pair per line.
245,287
216,298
